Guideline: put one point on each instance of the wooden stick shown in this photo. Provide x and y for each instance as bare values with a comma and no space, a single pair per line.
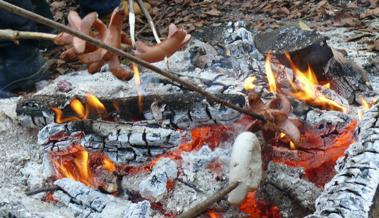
13,35
201,207
40,190
132,23
149,20
64,28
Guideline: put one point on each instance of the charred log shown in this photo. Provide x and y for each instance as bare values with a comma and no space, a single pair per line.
181,110
87,202
286,187
298,44
352,191
122,142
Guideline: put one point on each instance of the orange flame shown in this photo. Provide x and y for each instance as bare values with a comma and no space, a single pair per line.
81,110
74,163
213,214
292,145
249,83
270,74
305,86
258,209
137,81
365,107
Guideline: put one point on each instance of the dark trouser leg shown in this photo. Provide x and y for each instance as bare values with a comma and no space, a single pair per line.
19,63
102,7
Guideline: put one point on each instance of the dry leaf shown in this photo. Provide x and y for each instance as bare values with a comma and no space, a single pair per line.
370,13
213,12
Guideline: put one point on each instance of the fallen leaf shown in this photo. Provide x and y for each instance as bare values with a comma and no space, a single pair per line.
213,12
370,13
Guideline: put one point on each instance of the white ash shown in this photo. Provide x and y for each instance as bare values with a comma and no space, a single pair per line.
37,174
352,190
198,160
87,202
355,49
19,155
317,116
50,130
154,187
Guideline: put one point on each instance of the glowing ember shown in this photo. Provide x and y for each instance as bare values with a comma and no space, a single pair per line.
305,87
258,209
270,74
213,214
81,110
316,156
249,83
78,164
205,135
137,81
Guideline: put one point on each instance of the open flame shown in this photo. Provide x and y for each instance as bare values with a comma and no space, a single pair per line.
305,86
78,164
137,81
259,209
365,106
249,83
270,74
283,136
81,110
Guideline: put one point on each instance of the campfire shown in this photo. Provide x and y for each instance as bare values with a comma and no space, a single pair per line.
275,143
87,151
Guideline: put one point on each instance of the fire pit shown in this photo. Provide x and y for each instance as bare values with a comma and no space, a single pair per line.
157,150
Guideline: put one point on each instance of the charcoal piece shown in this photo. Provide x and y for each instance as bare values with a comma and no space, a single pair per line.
352,193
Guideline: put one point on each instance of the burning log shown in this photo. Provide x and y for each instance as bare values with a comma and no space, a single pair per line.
298,45
353,190
180,110
87,202
123,142
286,187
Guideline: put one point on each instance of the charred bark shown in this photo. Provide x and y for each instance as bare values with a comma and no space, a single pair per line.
180,110
351,193
285,187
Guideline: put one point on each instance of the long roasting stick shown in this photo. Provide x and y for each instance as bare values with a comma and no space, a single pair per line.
63,28
198,209
149,20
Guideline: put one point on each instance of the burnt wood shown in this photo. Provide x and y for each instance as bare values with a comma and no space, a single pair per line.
352,191
36,110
